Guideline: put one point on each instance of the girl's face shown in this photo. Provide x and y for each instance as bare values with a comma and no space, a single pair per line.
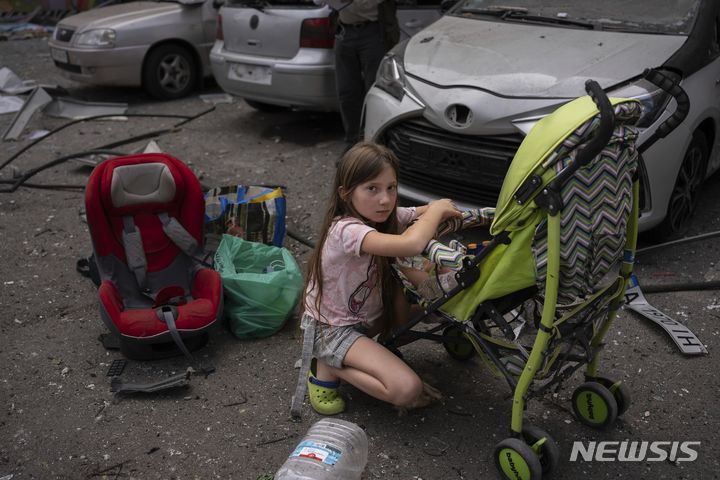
376,198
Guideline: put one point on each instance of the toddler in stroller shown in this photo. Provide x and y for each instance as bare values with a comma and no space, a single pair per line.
563,235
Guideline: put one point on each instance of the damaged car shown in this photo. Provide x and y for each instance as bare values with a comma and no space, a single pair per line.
162,46
278,54
456,100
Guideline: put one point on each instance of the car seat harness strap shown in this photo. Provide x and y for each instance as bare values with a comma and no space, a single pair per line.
134,252
167,314
179,236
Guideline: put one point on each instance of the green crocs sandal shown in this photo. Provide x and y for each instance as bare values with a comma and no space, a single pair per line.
324,396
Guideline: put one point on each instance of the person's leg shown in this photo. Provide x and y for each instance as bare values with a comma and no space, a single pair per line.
371,52
372,368
349,83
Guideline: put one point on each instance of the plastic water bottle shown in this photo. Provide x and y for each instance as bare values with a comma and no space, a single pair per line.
331,450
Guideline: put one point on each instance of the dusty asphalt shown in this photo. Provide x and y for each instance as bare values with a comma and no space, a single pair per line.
59,419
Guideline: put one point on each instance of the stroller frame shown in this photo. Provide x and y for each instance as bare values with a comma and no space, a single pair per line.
599,400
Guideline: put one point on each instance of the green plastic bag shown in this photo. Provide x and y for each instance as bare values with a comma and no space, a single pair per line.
261,284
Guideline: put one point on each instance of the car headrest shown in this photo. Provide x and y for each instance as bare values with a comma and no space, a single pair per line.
141,184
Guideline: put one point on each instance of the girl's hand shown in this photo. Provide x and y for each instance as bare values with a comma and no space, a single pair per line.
446,208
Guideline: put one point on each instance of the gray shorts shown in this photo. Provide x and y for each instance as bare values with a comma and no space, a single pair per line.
331,343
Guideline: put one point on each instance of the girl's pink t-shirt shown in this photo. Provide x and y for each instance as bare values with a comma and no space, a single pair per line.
351,288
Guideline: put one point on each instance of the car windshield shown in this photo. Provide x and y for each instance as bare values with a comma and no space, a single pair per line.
675,17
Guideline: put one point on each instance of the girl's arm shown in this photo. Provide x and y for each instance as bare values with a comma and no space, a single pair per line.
420,210
414,239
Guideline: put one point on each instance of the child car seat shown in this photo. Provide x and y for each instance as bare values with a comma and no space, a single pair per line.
145,213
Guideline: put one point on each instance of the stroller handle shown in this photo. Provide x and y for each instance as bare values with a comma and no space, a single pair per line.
605,128
670,86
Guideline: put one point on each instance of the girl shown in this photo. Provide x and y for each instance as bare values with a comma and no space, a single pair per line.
350,284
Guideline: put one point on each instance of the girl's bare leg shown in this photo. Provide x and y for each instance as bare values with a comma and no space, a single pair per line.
373,369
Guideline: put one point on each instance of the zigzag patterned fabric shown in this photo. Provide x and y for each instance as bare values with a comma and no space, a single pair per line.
450,255
475,217
596,205
409,287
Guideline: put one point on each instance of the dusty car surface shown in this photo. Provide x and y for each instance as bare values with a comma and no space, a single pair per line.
456,100
278,53
162,46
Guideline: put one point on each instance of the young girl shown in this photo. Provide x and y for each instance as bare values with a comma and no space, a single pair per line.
350,284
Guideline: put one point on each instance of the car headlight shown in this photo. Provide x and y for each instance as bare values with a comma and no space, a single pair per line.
391,76
100,37
653,100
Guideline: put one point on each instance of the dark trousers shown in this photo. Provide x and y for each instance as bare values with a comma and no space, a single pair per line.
358,52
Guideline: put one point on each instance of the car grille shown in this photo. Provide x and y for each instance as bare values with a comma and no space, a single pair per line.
469,169
63,34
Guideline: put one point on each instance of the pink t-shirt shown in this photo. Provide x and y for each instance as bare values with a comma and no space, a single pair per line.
351,288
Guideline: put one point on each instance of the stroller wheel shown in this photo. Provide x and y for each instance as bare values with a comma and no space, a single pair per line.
515,459
594,405
456,344
549,451
620,391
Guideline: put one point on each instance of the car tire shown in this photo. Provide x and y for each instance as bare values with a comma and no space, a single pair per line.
170,72
265,107
686,192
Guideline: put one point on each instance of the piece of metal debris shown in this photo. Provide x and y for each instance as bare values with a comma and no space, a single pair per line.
67,107
37,99
10,104
152,147
180,380
12,84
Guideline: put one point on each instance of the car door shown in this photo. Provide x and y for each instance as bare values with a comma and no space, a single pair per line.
414,15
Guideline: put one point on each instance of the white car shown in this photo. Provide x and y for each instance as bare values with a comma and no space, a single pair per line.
162,46
278,53
456,100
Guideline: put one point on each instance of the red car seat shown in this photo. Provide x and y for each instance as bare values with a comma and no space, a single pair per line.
145,213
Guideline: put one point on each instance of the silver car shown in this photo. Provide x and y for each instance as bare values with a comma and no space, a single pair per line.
278,53
162,46
456,100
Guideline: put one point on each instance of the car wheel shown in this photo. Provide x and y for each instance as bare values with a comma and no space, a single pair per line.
170,72
686,192
265,107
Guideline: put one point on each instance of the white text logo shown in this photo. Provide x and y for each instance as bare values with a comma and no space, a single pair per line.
636,451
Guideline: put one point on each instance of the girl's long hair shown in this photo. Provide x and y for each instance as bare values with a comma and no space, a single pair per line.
360,164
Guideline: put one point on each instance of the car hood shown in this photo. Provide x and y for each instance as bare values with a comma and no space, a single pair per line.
115,16
528,60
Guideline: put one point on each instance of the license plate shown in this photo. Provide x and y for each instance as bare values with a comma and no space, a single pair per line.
686,340
59,55
252,73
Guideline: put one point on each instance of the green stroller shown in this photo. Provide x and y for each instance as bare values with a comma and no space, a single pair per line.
563,236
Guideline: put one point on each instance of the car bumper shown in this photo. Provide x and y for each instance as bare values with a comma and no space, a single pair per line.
305,81
119,66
